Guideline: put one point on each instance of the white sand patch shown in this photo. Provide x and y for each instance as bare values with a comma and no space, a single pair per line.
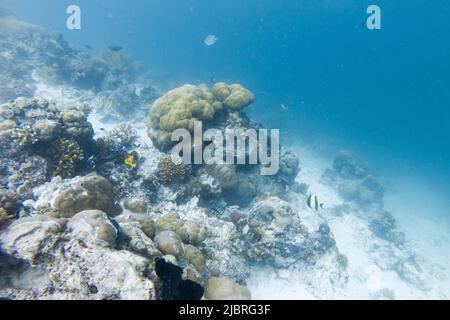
364,278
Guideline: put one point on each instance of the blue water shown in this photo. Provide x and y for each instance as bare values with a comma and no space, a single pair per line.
384,94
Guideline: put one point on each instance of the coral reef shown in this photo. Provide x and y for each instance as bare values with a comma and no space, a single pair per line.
383,225
67,155
188,231
42,140
16,77
66,264
135,234
233,96
168,242
115,218
222,288
137,205
93,226
225,174
9,206
121,101
65,198
274,234
354,182
183,106
289,167
170,172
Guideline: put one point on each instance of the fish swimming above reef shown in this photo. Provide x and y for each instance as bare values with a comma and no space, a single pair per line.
210,40
284,107
313,202
88,47
213,80
111,105
174,287
115,48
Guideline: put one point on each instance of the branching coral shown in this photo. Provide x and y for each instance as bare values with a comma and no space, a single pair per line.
24,137
67,155
9,206
86,109
169,172
114,144
124,134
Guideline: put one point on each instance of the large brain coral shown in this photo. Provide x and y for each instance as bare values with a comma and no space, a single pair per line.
182,107
233,96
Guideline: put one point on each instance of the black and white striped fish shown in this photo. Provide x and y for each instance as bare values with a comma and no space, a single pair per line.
313,202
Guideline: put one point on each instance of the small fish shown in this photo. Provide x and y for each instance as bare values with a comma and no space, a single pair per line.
102,129
284,107
213,80
313,202
115,48
210,40
111,105
131,161
88,47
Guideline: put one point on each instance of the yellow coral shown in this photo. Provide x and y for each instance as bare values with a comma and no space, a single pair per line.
130,161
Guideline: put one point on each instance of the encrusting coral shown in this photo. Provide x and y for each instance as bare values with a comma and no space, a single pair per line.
222,288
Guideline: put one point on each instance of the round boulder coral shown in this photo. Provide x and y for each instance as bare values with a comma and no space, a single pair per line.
188,231
225,174
233,96
168,242
222,288
93,225
137,205
89,192
182,107
195,257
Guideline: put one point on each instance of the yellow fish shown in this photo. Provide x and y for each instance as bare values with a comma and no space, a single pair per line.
130,161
